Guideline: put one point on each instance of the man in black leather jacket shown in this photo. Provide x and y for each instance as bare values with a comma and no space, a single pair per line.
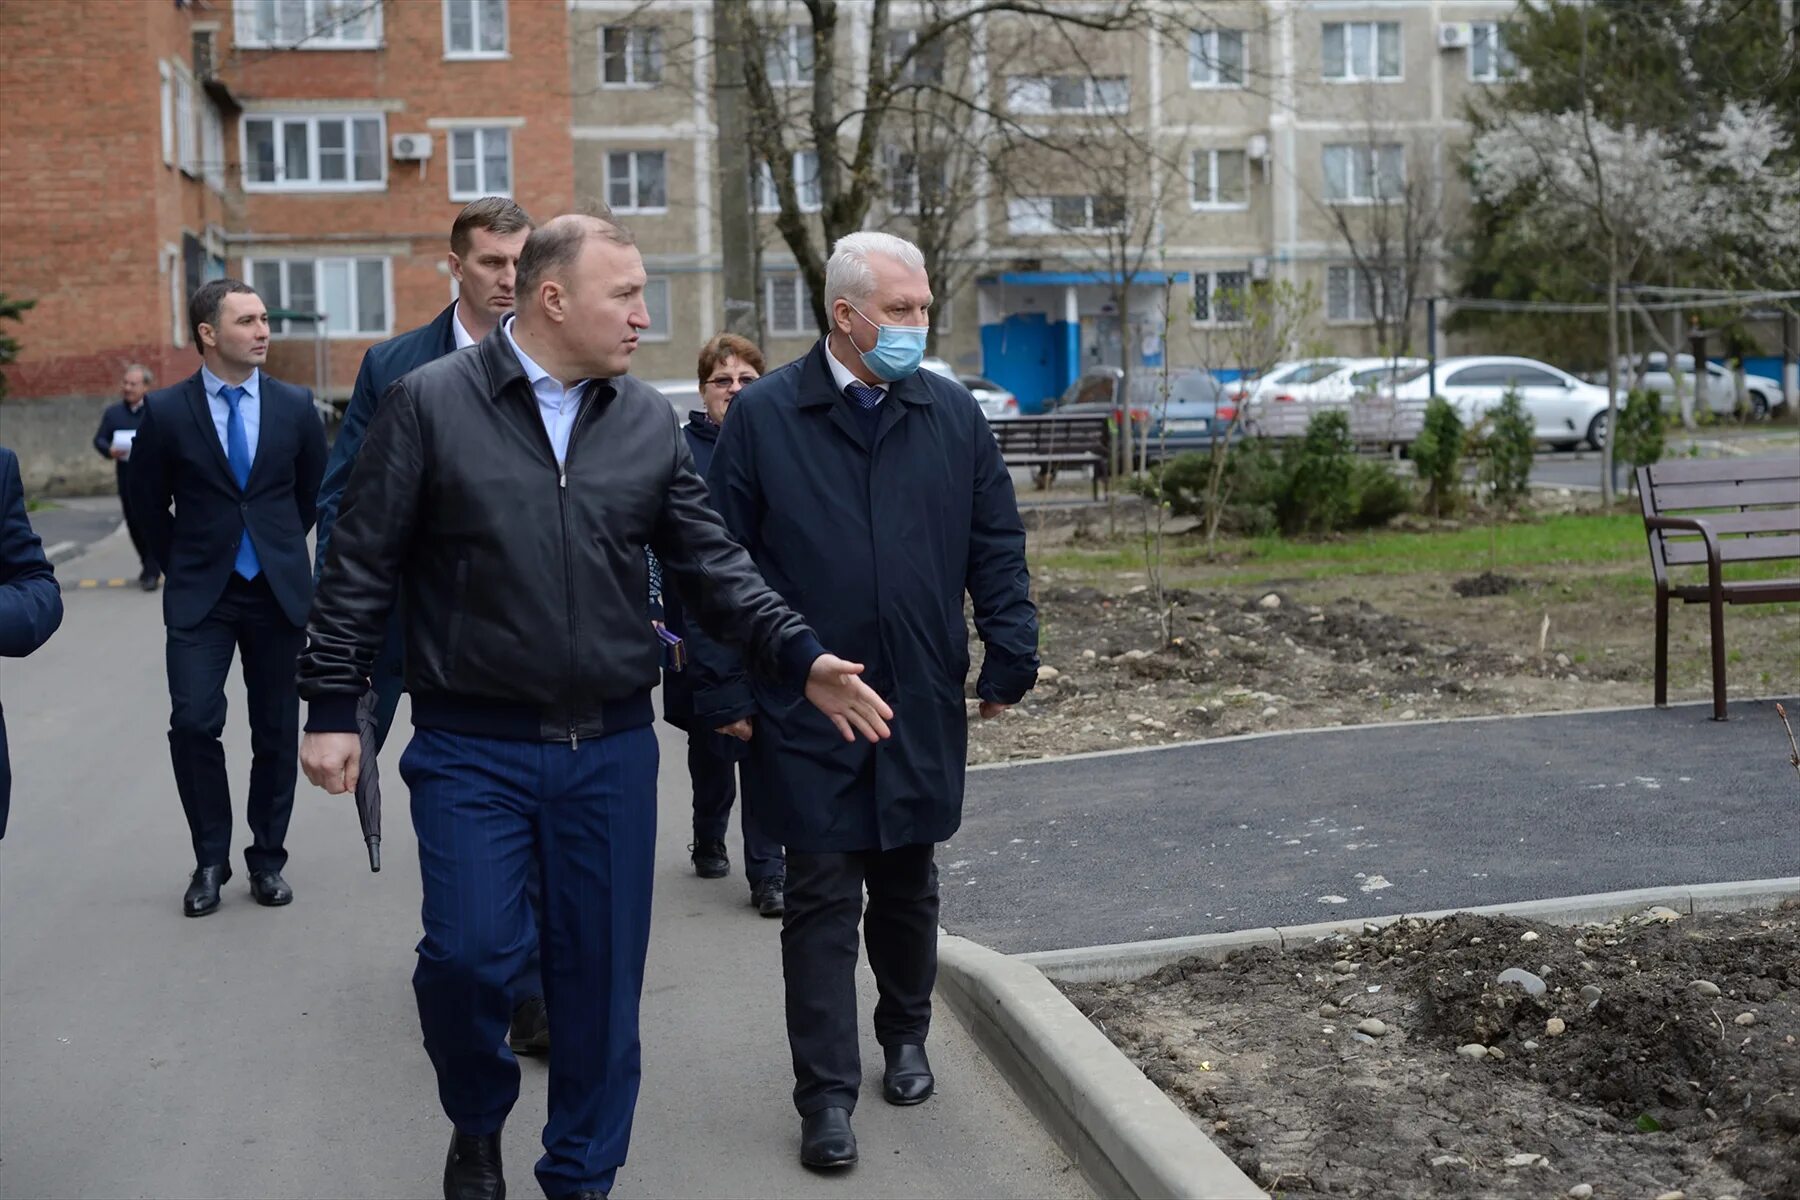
509,490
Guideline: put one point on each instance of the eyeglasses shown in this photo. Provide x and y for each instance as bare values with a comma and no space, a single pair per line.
724,381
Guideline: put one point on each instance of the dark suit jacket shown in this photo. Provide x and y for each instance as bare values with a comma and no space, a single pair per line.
177,457
30,600
117,416
381,366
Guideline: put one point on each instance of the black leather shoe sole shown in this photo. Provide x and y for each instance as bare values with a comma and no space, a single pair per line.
200,910
906,1097
826,1165
710,869
272,900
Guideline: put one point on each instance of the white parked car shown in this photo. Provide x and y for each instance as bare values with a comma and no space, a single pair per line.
1284,382
1360,387
1565,411
1763,394
997,404
937,366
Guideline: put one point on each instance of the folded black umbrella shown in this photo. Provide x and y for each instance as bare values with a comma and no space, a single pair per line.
368,779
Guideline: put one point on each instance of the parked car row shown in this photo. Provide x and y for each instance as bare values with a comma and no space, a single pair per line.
1762,396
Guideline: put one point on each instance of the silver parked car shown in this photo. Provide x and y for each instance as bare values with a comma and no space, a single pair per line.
1565,411
1763,395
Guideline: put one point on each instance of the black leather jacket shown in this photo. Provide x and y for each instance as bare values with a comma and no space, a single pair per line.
524,582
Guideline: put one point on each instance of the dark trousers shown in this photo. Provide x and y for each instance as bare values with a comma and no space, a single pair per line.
818,958
715,788
140,540
246,619
484,809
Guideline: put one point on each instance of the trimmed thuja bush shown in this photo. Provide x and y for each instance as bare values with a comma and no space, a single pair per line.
1437,453
1507,448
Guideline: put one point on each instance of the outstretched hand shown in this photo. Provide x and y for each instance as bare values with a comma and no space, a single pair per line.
834,689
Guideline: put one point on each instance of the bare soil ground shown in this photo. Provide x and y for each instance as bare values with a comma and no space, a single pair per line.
1272,653
1657,1057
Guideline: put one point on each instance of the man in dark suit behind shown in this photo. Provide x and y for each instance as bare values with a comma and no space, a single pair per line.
240,455
30,602
124,417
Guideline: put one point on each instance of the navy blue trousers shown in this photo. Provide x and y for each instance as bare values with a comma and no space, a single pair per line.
715,787
484,809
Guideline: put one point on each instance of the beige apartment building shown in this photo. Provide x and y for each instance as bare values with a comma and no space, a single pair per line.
1311,141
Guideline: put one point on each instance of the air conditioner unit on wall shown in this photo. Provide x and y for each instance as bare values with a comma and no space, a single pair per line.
1257,148
412,147
1259,267
1454,35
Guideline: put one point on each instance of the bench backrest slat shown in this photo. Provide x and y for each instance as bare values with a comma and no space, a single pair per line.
1760,498
1689,551
1680,497
1696,470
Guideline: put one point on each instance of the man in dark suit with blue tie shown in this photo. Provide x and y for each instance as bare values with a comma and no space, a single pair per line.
240,455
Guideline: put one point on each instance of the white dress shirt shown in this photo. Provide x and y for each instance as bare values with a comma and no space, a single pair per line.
250,408
556,404
464,338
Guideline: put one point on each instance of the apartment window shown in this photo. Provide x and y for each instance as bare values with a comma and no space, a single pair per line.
1364,174
788,57
656,302
1065,214
1044,94
1215,58
353,293
909,177
187,154
212,146
168,113
926,68
474,28
1355,294
480,162
630,57
787,305
1362,50
943,315
309,24
1219,296
1221,179
1489,59
314,153
806,184
635,181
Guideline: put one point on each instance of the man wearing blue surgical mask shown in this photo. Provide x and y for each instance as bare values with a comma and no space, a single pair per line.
873,498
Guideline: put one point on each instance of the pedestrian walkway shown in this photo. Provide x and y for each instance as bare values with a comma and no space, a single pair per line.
275,1052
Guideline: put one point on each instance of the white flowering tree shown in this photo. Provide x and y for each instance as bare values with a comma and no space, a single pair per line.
1631,194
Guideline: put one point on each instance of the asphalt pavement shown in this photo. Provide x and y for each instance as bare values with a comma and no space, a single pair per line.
1305,826
275,1052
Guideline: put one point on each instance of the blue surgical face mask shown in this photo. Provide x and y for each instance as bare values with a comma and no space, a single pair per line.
898,349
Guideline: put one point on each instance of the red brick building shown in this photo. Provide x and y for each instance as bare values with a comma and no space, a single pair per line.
318,149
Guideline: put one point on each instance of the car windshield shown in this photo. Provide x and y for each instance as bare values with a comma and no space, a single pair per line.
1408,374
1384,374
1310,372
1196,387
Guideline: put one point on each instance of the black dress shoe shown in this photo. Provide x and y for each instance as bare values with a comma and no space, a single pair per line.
589,1194
765,894
270,889
710,859
148,582
908,1079
203,890
530,1032
826,1140
472,1169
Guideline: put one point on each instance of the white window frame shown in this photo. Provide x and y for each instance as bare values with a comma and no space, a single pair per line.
1204,59
1362,187
802,304
212,145
320,15
319,263
475,53
167,94
483,185
632,181
172,267
1210,278
187,126
943,313
1353,71
1207,199
666,285
312,183
913,77
1360,293
768,200
1035,216
635,37
1502,63
784,47
1035,95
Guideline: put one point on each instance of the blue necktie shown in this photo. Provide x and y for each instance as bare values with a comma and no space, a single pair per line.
862,395
237,452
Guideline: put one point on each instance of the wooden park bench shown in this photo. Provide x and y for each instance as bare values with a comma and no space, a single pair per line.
1717,514
1053,442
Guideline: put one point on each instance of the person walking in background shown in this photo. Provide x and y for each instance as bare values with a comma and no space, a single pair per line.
509,491
872,496
239,454
30,601
728,365
485,240
118,424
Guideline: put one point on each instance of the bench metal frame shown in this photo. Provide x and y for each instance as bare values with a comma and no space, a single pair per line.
1049,442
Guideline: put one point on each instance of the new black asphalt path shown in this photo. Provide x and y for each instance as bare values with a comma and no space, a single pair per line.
1329,825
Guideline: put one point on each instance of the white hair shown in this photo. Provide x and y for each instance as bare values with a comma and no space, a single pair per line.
848,273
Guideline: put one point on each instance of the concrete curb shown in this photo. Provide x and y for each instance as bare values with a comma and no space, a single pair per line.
62,552
1126,1136
1130,960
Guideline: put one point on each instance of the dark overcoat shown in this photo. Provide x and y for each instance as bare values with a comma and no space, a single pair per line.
873,529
